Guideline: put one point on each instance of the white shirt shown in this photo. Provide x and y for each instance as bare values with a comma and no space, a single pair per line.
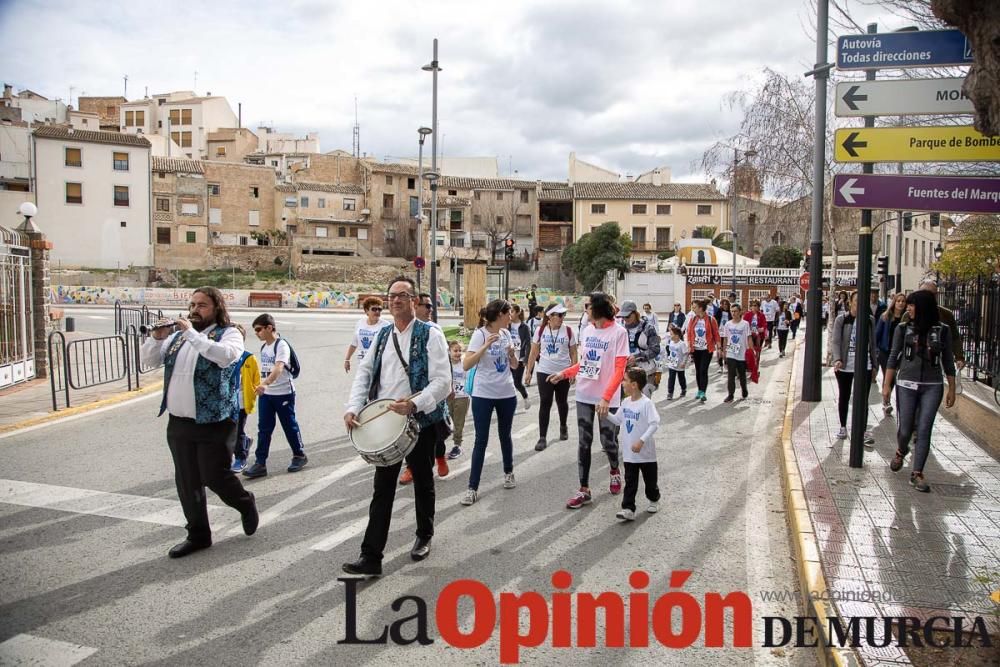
769,308
677,355
364,335
737,333
458,377
553,349
687,321
493,377
270,355
395,383
432,324
639,420
180,393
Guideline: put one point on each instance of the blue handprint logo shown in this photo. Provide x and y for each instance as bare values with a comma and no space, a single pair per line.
551,348
366,342
629,425
501,364
593,356
734,339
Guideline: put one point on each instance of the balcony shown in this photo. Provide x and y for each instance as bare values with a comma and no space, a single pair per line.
663,246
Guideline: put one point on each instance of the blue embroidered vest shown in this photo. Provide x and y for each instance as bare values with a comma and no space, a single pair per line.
418,373
215,394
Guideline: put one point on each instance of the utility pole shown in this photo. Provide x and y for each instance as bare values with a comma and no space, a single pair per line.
125,94
433,68
812,367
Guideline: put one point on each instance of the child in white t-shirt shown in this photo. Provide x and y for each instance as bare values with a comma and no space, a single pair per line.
677,358
458,402
639,419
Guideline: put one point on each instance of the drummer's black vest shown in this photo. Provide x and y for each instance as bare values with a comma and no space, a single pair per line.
419,377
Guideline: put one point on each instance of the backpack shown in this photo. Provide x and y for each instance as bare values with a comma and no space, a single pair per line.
293,366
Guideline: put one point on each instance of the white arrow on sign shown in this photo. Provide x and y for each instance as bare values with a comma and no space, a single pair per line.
908,96
847,191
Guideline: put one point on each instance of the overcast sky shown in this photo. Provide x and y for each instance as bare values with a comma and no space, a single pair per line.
628,85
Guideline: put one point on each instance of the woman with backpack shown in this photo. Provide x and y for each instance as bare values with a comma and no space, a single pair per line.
554,349
921,352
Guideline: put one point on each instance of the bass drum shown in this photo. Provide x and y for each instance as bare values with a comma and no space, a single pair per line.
384,437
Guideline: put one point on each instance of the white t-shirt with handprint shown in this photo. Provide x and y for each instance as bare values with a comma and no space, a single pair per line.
638,421
364,336
493,377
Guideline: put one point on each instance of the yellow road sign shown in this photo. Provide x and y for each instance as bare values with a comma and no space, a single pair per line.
915,144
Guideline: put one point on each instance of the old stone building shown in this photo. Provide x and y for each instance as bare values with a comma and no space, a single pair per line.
106,108
241,208
180,214
231,144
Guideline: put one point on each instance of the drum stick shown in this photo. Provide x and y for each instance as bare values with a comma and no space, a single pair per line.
385,410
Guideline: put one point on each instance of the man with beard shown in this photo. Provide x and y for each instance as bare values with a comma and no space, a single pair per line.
199,354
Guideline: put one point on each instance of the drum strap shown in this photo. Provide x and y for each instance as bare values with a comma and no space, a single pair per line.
399,353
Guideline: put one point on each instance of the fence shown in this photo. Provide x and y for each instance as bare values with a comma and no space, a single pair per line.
134,316
976,305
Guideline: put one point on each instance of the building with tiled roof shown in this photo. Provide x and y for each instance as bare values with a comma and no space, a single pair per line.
90,136
171,165
343,188
648,191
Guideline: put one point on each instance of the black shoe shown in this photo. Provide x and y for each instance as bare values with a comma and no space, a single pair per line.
421,548
363,567
187,547
255,470
727,399
563,433
745,394
541,444
251,519
298,462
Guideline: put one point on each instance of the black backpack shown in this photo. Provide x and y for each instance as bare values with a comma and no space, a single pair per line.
293,360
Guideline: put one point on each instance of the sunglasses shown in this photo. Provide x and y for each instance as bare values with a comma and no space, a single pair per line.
424,305
375,309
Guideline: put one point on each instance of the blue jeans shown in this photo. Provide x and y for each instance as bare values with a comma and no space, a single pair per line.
482,414
282,407
915,411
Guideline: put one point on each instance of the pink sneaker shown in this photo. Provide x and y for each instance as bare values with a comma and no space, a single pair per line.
579,499
616,482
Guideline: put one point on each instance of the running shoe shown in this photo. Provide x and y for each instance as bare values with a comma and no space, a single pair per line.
626,515
616,482
670,397
897,462
579,499
255,470
684,393
918,482
442,467
541,444
869,438
406,477
653,508
563,433
455,452
238,465
842,433
745,395
470,497
508,480
704,397
298,462
887,409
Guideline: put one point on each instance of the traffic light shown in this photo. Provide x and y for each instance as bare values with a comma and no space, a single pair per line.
883,265
935,219
907,222
508,249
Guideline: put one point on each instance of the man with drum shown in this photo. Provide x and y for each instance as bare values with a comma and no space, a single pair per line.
409,366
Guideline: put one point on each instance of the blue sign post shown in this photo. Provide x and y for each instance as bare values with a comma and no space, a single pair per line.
924,48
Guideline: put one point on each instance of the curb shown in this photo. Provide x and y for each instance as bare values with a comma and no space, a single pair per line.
81,409
806,544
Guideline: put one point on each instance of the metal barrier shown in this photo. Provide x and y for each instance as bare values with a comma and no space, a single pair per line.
976,306
126,316
134,340
87,362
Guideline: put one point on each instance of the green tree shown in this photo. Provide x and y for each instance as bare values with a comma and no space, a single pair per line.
596,253
976,251
781,257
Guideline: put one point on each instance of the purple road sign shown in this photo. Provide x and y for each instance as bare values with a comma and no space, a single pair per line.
944,194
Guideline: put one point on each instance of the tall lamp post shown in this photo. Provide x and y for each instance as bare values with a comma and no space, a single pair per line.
421,135
433,68
938,251
734,213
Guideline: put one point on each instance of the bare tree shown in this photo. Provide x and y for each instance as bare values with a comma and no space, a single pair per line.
499,217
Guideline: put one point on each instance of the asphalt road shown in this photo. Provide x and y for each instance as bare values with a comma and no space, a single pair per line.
88,510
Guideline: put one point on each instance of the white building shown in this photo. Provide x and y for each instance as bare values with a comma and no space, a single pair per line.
93,196
269,142
183,116
15,171
34,108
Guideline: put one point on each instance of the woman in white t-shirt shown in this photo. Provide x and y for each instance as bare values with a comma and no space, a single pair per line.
603,356
366,330
492,354
554,348
737,339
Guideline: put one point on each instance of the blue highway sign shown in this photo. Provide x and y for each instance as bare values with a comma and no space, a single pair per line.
924,48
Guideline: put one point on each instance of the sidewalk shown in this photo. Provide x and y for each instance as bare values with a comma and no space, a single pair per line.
890,549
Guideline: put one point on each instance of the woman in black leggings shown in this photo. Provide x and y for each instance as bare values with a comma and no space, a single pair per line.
554,348
702,339
520,333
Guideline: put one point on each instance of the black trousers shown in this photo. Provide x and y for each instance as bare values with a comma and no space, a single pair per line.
518,374
782,340
632,471
546,392
202,457
736,367
421,462
702,360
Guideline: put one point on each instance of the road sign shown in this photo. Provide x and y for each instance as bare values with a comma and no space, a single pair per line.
419,262
903,96
924,48
804,282
952,194
915,144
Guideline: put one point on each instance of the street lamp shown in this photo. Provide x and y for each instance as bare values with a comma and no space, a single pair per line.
422,133
433,68
28,210
938,251
734,215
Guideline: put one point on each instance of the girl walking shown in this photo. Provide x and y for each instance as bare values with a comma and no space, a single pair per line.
843,343
921,351
554,349
491,353
458,402
702,339
604,353
677,358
